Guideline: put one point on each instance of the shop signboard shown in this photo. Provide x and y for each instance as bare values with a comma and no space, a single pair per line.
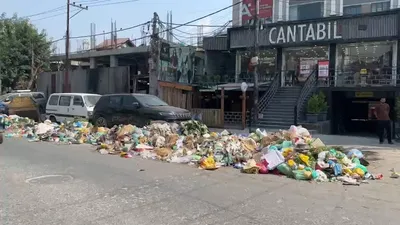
307,32
249,9
323,69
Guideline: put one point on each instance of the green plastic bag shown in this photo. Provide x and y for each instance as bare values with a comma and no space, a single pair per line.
285,169
300,175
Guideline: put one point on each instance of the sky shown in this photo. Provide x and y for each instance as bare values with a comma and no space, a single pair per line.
126,13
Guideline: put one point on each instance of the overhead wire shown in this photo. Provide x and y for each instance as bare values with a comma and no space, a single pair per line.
166,30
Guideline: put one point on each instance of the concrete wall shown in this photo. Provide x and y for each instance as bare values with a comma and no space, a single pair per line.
99,80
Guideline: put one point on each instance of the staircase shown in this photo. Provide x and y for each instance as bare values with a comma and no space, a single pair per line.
279,113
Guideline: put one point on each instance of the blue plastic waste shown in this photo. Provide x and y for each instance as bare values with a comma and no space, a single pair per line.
355,152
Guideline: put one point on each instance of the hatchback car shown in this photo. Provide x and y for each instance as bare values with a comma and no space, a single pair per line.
135,109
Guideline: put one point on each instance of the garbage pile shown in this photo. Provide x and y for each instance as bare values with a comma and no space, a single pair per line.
293,153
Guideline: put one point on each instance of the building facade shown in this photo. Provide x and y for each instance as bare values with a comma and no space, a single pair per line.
355,55
290,10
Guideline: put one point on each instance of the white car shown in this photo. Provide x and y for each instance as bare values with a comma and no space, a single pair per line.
68,106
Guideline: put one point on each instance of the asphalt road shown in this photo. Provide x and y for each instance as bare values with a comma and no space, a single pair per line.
79,186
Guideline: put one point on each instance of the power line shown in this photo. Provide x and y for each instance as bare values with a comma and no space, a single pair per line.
112,3
166,30
60,14
91,4
194,25
124,29
46,12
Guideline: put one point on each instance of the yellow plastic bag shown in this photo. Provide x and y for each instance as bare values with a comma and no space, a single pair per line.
291,163
286,152
359,172
208,163
305,159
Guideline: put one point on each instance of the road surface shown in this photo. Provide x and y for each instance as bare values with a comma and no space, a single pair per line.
44,183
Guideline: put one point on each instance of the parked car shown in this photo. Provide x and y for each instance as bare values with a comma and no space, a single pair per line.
24,106
38,97
68,106
135,109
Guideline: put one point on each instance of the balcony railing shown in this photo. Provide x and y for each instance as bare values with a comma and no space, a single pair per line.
383,77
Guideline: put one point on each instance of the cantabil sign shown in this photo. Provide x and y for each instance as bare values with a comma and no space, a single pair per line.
297,33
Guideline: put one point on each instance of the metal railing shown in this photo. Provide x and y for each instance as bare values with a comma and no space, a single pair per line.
270,93
351,78
307,90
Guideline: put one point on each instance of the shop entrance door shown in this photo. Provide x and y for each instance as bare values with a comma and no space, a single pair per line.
300,62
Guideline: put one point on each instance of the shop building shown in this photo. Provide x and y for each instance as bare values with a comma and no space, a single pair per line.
359,55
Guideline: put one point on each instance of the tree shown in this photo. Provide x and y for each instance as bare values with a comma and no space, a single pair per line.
24,52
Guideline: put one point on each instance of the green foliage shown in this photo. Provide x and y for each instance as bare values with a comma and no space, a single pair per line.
322,102
397,107
317,103
20,42
313,105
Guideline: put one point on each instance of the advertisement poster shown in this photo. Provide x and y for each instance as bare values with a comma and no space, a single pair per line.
323,69
249,9
179,66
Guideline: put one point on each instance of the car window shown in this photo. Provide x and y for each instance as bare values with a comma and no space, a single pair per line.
128,100
65,101
115,100
91,100
53,100
150,100
37,95
77,100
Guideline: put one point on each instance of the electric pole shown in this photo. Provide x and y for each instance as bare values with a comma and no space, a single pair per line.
154,57
256,52
67,86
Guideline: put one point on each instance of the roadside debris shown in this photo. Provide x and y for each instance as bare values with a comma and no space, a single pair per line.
292,153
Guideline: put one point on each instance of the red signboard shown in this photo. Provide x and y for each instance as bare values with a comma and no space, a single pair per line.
249,9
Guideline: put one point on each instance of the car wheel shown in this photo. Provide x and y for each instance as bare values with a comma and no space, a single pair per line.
100,122
1,138
53,119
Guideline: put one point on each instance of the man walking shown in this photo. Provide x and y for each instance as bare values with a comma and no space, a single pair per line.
382,114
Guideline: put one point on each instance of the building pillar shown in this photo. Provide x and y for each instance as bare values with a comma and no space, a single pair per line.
339,7
395,62
287,12
93,64
394,4
278,62
238,66
332,64
281,9
113,61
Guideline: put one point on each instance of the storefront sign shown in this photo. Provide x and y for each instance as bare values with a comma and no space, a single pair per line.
323,69
249,9
364,94
298,33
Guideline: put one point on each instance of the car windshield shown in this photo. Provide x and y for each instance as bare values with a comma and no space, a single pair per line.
150,100
91,100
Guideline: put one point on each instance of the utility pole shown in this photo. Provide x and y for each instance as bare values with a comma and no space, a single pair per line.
32,66
256,53
154,57
67,86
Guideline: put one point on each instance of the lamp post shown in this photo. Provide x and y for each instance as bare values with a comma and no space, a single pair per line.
244,87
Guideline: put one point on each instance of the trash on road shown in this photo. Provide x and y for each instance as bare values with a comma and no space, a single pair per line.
292,153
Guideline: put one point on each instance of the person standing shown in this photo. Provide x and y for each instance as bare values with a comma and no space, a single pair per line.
382,114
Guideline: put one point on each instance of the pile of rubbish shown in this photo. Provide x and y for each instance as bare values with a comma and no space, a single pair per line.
293,153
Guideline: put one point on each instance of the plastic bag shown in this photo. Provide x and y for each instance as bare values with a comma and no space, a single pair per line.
301,175
355,153
305,159
208,163
263,165
285,169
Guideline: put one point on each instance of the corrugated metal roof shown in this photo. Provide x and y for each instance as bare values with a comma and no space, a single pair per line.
215,43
